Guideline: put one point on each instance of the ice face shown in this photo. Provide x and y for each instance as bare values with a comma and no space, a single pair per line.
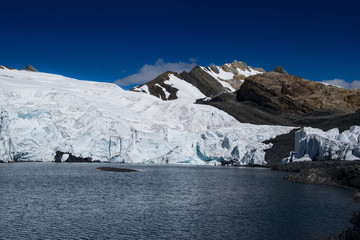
44,113
315,144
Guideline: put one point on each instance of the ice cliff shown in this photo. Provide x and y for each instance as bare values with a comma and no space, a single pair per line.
45,113
315,144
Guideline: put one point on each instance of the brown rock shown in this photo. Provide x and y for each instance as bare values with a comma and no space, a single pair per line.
291,94
31,68
279,69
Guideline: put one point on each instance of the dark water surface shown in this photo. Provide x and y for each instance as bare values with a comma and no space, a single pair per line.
78,201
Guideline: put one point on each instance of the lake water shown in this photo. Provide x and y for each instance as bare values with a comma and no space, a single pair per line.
78,201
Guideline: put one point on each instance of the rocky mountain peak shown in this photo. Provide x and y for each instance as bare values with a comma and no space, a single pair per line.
281,70
158,87
31,68
242,65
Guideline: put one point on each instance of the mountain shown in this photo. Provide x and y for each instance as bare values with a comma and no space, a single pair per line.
47,117
170,86
210,81
254,96
275,98
27,68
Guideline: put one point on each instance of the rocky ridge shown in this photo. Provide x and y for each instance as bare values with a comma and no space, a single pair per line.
210,81
27,68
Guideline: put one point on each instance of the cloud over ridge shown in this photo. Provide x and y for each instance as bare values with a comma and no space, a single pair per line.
148,72
342,83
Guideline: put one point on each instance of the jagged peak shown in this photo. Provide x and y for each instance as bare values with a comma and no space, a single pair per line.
31,68
281,70
167,74
259,69
242,65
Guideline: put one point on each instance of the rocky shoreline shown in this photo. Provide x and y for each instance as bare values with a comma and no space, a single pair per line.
339,173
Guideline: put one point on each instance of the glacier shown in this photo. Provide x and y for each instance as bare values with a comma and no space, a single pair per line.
312,144
44,113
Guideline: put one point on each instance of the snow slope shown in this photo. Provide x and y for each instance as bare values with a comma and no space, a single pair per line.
315,144
187,93
44,113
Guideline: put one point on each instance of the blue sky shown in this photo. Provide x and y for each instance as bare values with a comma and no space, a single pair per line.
111,40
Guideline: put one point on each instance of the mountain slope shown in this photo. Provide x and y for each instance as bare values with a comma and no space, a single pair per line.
45,114
280,98
210,81
170,86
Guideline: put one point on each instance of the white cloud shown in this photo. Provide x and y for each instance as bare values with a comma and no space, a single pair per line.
338,82
342,83
149,72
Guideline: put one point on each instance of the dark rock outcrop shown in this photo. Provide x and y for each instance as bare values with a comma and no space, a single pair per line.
282,146
31,68
279,69
334,174
71,158
203,81
247,111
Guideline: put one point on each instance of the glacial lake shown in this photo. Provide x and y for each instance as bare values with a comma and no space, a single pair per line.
79,201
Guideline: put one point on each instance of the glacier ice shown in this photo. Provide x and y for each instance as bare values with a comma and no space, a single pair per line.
44,113
315,144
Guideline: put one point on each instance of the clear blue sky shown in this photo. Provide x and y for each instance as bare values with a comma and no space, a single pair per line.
108,40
